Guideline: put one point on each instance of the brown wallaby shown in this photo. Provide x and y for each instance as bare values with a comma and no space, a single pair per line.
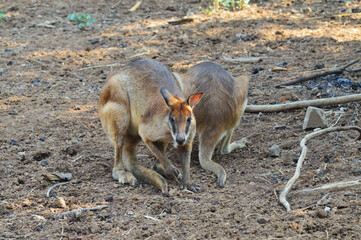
219,112
142,101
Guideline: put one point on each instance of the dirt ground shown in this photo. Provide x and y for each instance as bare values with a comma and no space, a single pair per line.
51,75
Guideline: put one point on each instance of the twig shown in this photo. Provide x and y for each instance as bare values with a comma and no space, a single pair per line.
289,184
342,184
80,210
302,104
135,7
243,60
99,66
317,75
354,70
152,218
116,5
58,184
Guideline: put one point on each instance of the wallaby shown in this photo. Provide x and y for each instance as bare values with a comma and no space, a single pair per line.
219,112
142,101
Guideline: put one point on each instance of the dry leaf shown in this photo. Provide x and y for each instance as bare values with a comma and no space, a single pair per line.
135,7
279,69
58,176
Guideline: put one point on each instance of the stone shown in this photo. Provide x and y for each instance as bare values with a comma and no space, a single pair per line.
275,151
315,118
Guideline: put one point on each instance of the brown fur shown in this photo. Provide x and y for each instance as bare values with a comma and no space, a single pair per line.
132,108
219,112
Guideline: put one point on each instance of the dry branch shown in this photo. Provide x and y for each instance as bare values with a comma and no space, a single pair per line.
317,75
342,184
289,184
302,104
243,60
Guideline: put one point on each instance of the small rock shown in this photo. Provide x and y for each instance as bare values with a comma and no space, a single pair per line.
44,162
279,127
14,143
261,220
321,213
319,66
42,139
214,202
21,180
213,209
109,198
60,202
39,218
327,209
315,118
275,151
41,155
282,64
94,40
256,70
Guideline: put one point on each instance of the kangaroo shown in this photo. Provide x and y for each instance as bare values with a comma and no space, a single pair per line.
219,112
142,101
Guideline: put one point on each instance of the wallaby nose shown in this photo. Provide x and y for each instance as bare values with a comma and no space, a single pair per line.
180,140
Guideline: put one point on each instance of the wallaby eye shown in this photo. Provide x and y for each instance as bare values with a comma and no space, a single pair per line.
189,119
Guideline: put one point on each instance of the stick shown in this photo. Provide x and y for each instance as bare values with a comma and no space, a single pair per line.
243,60
98,66
77,212
135,7
317,75
289,184
58,184
302,104
152,218
342,184
354,70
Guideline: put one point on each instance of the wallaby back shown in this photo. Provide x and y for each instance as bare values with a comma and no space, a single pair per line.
221,104
219,112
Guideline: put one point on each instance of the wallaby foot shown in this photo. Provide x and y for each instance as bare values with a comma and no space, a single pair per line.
190,186
226,147
172,174
124,177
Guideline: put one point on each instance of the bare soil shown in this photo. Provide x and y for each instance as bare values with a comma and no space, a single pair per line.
50,80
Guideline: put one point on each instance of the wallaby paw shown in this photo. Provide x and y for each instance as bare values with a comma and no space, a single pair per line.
173,173
124,177
191,187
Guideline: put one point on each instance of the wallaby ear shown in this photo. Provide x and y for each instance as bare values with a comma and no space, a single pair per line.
168,97
194,99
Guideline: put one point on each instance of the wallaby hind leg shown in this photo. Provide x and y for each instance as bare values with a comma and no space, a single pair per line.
141,173
207,144
226,146
115,120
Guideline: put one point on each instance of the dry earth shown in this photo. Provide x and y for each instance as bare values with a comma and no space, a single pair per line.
51,74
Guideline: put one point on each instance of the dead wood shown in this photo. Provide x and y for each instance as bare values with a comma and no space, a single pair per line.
303,104
342,184
180,21
243,59
289,184
317,75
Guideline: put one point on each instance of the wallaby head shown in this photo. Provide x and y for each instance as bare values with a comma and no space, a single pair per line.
180,115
